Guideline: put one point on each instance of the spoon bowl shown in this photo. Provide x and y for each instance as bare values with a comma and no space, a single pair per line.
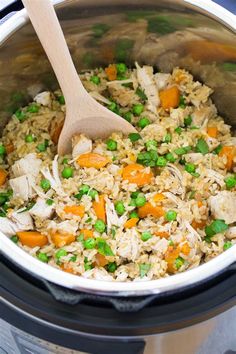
84,115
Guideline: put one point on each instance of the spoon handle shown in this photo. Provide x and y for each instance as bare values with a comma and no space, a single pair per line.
45,22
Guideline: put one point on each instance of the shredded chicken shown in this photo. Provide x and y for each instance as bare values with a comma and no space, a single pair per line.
22,218
175,172
42,210
128,246
29,164
223,206
65,227
22,187
162,80
8,227
146,80
231,233
112,217
43,98
80,145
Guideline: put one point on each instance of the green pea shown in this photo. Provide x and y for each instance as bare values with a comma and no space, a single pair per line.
151,145
2,150
133,215
41,147
167,138
188,120
134,195
100,226
140,200
171,215
190,167
111,145
29,138
134,137
138,109
67,172
93,193
84,189
121,68
178,130
146,236
20,115
73,258
65,161
161,161
143,122
33,108
15,238
227,245
111,267
230,182
179,262
95,79
128,116
43,257
61,100
120,208
90,243
170,157
112,106
60,253
49,201
45,184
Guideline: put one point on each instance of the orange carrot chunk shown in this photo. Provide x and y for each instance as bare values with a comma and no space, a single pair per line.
92,159
135,173
3,176
229,152
212,132
111,72
198,224
99,208
158,197
185,249
67,268
32,238
170,97
170,257
61,240
162,234
77,210
149,209
131,223
101,260
87,233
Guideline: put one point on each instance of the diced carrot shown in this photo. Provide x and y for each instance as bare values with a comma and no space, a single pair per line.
198,225
3,176
212,132
32,238
92,159
61,240
135,173
207,51
77,210
229,152
131,223
149,209
67,268
158,197
101,260
199,203
111,72
99,208
162,234
170,97
87,233
9,148
185,249
171,254
56,132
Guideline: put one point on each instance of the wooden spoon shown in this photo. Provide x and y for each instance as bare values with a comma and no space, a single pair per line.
83,113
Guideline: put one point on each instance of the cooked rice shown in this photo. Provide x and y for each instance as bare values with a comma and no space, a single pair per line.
197,198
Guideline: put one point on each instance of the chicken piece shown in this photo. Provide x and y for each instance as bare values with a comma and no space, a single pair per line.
43,98
162,80
22,187
29,164
146,80
64,227
80,145
8,227
200,115
112,217
128,245
42,210
22,219
223,206
231,233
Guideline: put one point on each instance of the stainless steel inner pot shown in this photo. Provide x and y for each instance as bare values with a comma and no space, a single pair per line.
198,36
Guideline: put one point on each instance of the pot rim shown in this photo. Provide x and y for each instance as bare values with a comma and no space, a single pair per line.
134,288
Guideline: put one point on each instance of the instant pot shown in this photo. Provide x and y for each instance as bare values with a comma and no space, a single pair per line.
44,310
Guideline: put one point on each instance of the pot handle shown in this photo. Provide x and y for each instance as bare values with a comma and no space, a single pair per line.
72,297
